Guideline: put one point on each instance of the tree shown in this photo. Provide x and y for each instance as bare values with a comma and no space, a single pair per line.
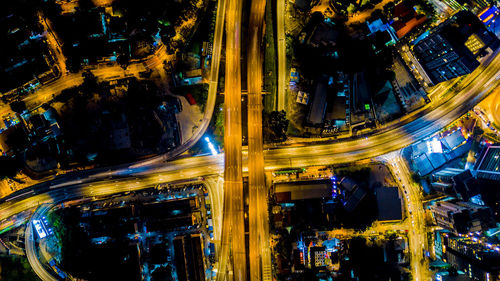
389,9
18,106
275,126
123,60
416,177
9,167
89,81
351,9
478,131
376,14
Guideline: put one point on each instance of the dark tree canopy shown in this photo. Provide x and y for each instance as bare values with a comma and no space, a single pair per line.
18,106
275,126
9,167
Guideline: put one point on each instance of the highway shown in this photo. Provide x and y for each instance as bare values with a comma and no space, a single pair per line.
280,15
233,235
259,249
212,91
130,178
112,181
477,87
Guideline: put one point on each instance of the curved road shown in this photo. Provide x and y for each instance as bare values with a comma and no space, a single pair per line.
319,154
322,154
29,241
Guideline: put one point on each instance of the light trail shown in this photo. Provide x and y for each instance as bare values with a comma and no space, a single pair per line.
233,235
259,253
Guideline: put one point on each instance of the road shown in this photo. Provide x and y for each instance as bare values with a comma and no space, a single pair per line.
233,235
53,43
104,71
331,153
212,91
320,154
419,71
314,154
259,249
280,15
106,187
375,229
414,202
365,14
31,253
392,139
491,107
442,8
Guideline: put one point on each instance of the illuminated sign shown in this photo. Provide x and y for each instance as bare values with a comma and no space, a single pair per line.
39,229
488,15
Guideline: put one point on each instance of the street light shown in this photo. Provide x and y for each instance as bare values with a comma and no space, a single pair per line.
211,146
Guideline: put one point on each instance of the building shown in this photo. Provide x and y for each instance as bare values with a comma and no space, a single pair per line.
298,261
462,217
336,111
466,4
360,93
189,258
302,98
465,185
348,184
389,203
456,182
354,193
317,257
386,103
406,19
477,258
25,58
354,199
323,35
451,49
446,174
488,164
302,190
318,108
427,156
451,141
379,26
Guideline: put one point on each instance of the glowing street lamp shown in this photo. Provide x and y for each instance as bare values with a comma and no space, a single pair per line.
211,146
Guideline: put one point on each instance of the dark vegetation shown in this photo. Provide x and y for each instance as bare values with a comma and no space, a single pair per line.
96,116
274,126
15,268
81,258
